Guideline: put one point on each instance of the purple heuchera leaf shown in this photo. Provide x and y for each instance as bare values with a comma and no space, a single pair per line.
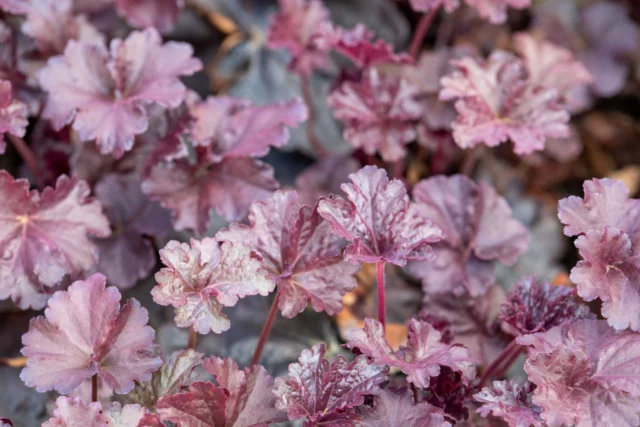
52,23
420,359
473,322
104,93
200,278
202,405
319,390
496,103
585,374
379,113
13,114
395,408
251,401
324,178
550,65
495,11
357,44
128,254
299,251
477,227
534,306
85,332
606,220
45,237
161,14
429,5
299,28
511,402
379,220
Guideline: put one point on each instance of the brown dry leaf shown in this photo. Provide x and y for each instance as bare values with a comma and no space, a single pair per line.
630,175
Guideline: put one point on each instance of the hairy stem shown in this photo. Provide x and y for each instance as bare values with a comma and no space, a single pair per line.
381,304
421,31
505,356
193,336
94,388
316,145
266,330
29,158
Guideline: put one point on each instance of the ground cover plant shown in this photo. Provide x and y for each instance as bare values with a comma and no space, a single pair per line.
244,213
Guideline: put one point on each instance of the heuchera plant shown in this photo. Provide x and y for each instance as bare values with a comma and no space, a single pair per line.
129,171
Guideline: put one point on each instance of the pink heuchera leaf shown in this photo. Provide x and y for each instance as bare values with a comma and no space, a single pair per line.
379,113
85,332
495,11
243,398
609,242
160,14
251,400
324,178
192,191
497,103
299,251
534,306
473,322
13,114
51,23
357,44
104,93
420,359
550,65
200,278
45,237
175,373
235,128
511,402
298,28
15,6
73,412
586,373
477,227
128,254
319,390
393,408
5,422
429,5
379,220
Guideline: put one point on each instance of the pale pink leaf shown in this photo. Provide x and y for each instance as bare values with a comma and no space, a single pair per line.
497,103
235,128
478,228
161,14
13,114
200,278
85,332
15,6
298,28
511,402
379,220
429,5
396,409
495,11
105,93
317,389
423,356
299,251
586,374
45,237
71,412
379,113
